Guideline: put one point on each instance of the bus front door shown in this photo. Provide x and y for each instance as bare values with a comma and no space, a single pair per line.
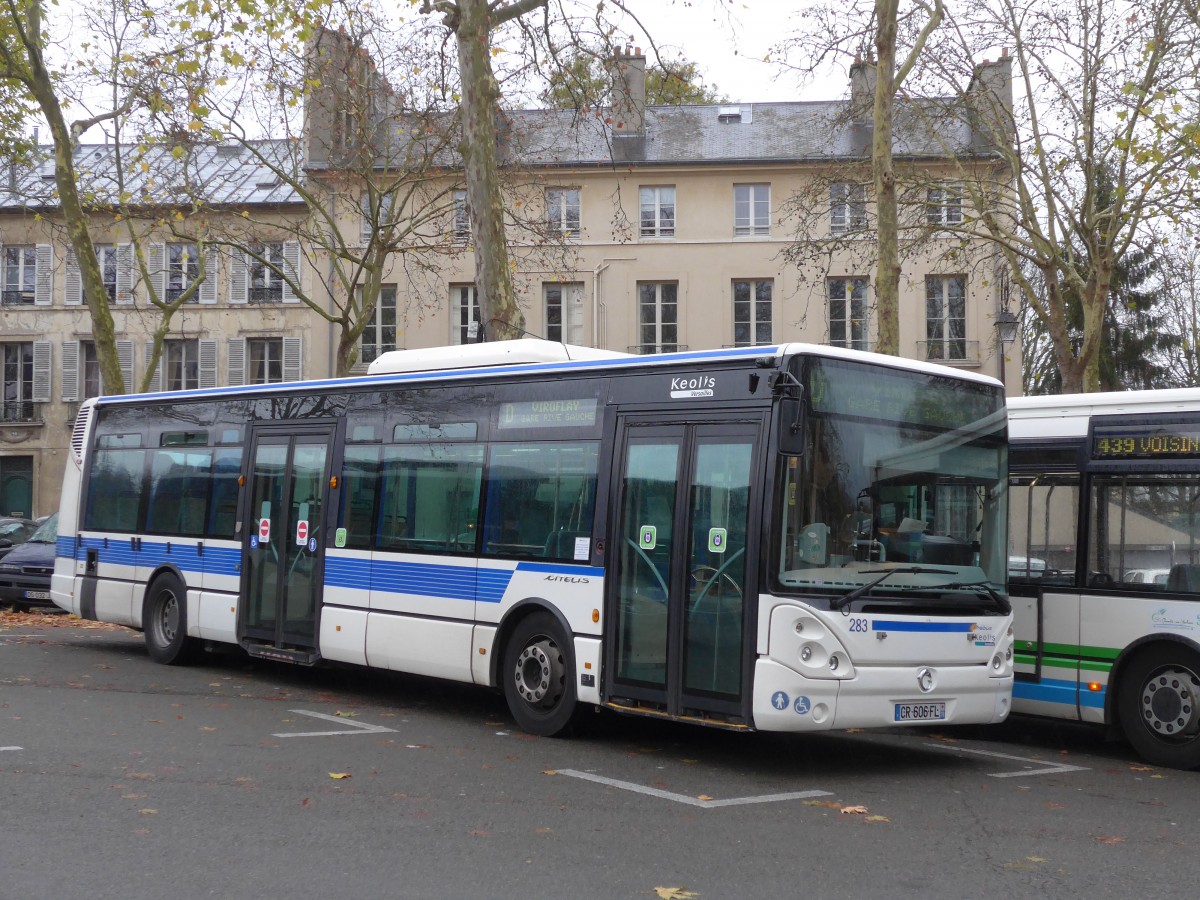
283,540
682,594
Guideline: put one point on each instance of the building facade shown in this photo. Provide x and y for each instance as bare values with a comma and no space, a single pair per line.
648,230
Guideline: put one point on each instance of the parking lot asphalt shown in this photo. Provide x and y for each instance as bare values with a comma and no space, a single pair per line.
240,778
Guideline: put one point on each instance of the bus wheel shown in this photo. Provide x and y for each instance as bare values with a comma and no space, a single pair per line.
538,683
1159,700
164,619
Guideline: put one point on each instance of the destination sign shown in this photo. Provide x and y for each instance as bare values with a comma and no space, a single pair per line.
1145,442
548,414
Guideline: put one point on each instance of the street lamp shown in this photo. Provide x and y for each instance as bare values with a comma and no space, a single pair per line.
1006,332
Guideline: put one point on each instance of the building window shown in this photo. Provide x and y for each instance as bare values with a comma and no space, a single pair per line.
266,262
20,274
847,207
264,360
106,254
464,313
562,210
658,317
848,322
657,212
943,205
462,218
946,316
751,210
181,365
564,312
90,367
380,334
752,314
17,361
183,270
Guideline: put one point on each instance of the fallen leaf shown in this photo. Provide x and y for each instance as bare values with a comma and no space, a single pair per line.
1035,859
855,810
675,893
339,774
1141,768
549,772
828,804
877,819
1110,839
542,830
479,833
1053,805
345,715
148,812
704,797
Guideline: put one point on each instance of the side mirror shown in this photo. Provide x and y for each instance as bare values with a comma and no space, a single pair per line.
791,426
5,543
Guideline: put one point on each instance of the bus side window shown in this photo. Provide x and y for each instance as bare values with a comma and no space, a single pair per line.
1145,526
360,480
1042,519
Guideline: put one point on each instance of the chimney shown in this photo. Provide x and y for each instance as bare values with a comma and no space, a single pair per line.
629,93
990,96
862,91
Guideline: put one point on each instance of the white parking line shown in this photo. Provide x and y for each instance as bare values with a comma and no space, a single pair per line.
356,727
11,748
1043,768
684,798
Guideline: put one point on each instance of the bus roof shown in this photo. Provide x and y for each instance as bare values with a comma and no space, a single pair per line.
492,353
1067,415
495,361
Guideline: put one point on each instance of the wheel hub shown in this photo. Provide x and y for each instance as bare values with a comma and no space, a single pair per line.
1169,703
539,673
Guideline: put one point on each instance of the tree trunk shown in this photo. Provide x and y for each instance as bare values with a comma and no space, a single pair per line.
502,318
887,273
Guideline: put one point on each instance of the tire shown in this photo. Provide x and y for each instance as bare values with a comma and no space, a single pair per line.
164,621
1159,706
538,676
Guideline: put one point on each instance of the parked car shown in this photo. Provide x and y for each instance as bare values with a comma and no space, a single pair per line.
25,571
1146,576
14,531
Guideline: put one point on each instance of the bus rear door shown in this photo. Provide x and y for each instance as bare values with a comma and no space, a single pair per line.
284,538
683,550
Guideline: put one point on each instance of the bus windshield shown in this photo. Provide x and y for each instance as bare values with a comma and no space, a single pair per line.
903,475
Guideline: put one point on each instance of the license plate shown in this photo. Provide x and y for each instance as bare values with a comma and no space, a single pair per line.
920,712
37,595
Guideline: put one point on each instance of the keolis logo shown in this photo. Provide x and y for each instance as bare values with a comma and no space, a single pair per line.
696,386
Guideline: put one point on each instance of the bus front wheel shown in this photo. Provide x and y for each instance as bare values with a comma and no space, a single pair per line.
164,621
1159,698
536,671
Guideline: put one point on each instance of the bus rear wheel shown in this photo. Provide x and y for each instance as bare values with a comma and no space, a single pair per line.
164,621
1159,698
536,671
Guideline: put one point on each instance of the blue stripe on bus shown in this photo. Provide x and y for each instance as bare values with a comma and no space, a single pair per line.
894,625
463,582
183,554
1057,690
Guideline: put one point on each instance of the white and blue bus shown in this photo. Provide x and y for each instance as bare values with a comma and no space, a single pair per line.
789,538
1104,564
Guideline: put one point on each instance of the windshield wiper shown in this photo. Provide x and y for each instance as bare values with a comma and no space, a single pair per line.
884,574
983,587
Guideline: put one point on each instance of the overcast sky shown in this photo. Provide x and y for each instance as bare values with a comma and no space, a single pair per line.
729,41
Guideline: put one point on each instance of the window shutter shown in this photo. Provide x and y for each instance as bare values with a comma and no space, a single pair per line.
292,348
43,355
125,361
237,361
156,379
43,289
158,270
124,273
208,287
71,351
73,280
291,268
208,363
239,282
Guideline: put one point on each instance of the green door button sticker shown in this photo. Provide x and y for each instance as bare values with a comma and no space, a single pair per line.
339,537
716,540
648,537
